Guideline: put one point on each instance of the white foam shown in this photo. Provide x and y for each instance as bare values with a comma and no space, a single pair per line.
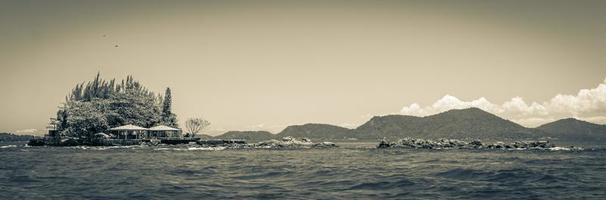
559,149
206,148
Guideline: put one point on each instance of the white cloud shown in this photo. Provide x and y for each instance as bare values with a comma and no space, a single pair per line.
256,127
348,125
413,109
587,104
31,130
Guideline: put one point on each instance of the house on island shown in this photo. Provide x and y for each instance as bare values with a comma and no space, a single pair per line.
163,132
128,132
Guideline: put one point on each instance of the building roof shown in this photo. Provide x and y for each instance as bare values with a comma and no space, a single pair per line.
128,127
163,128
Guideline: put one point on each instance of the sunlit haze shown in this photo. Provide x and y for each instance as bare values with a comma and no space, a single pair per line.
264,65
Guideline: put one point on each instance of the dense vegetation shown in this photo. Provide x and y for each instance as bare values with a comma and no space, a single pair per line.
99,105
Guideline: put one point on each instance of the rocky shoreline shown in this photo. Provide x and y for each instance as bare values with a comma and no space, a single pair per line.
417,143
284,143
305,143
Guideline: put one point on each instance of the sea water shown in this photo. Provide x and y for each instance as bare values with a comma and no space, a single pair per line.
350,172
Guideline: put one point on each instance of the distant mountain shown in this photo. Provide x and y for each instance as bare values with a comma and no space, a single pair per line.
571,129
391,126
316,131
204,136
470,123
10,137
251,136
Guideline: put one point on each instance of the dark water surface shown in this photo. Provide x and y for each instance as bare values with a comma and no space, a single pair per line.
342,173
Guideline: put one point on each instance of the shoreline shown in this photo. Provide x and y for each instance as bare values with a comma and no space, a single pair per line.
295,144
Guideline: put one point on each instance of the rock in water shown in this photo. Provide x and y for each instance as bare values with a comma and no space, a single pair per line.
383,144
416,143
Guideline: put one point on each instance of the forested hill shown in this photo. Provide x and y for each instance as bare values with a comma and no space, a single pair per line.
316,131
575,130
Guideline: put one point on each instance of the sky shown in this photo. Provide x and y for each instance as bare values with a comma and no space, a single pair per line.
264,65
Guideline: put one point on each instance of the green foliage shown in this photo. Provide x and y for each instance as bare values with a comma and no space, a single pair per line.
99,105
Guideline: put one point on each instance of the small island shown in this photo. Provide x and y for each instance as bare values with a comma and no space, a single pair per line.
119,113
101,113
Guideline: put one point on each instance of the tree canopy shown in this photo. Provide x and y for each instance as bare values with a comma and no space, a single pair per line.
98,105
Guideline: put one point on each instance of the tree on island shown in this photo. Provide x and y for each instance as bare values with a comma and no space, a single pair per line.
99,105
168,117
195,125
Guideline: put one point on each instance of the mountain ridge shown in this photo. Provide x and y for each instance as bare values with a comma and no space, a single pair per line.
316,130
469,123
571,129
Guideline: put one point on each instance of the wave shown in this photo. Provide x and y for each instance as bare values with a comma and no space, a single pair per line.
506,176
269,174
101,148
400,183
566,149
206,148
463,173
8,146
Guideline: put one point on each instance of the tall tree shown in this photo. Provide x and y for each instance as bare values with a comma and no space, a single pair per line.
167,104
168,117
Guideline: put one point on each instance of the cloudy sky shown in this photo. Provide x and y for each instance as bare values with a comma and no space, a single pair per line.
263,65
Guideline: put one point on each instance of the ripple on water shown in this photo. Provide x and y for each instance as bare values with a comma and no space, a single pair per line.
71,173
515,176
383,185
264,175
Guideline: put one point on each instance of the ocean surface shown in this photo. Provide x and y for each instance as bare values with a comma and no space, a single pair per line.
353,171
